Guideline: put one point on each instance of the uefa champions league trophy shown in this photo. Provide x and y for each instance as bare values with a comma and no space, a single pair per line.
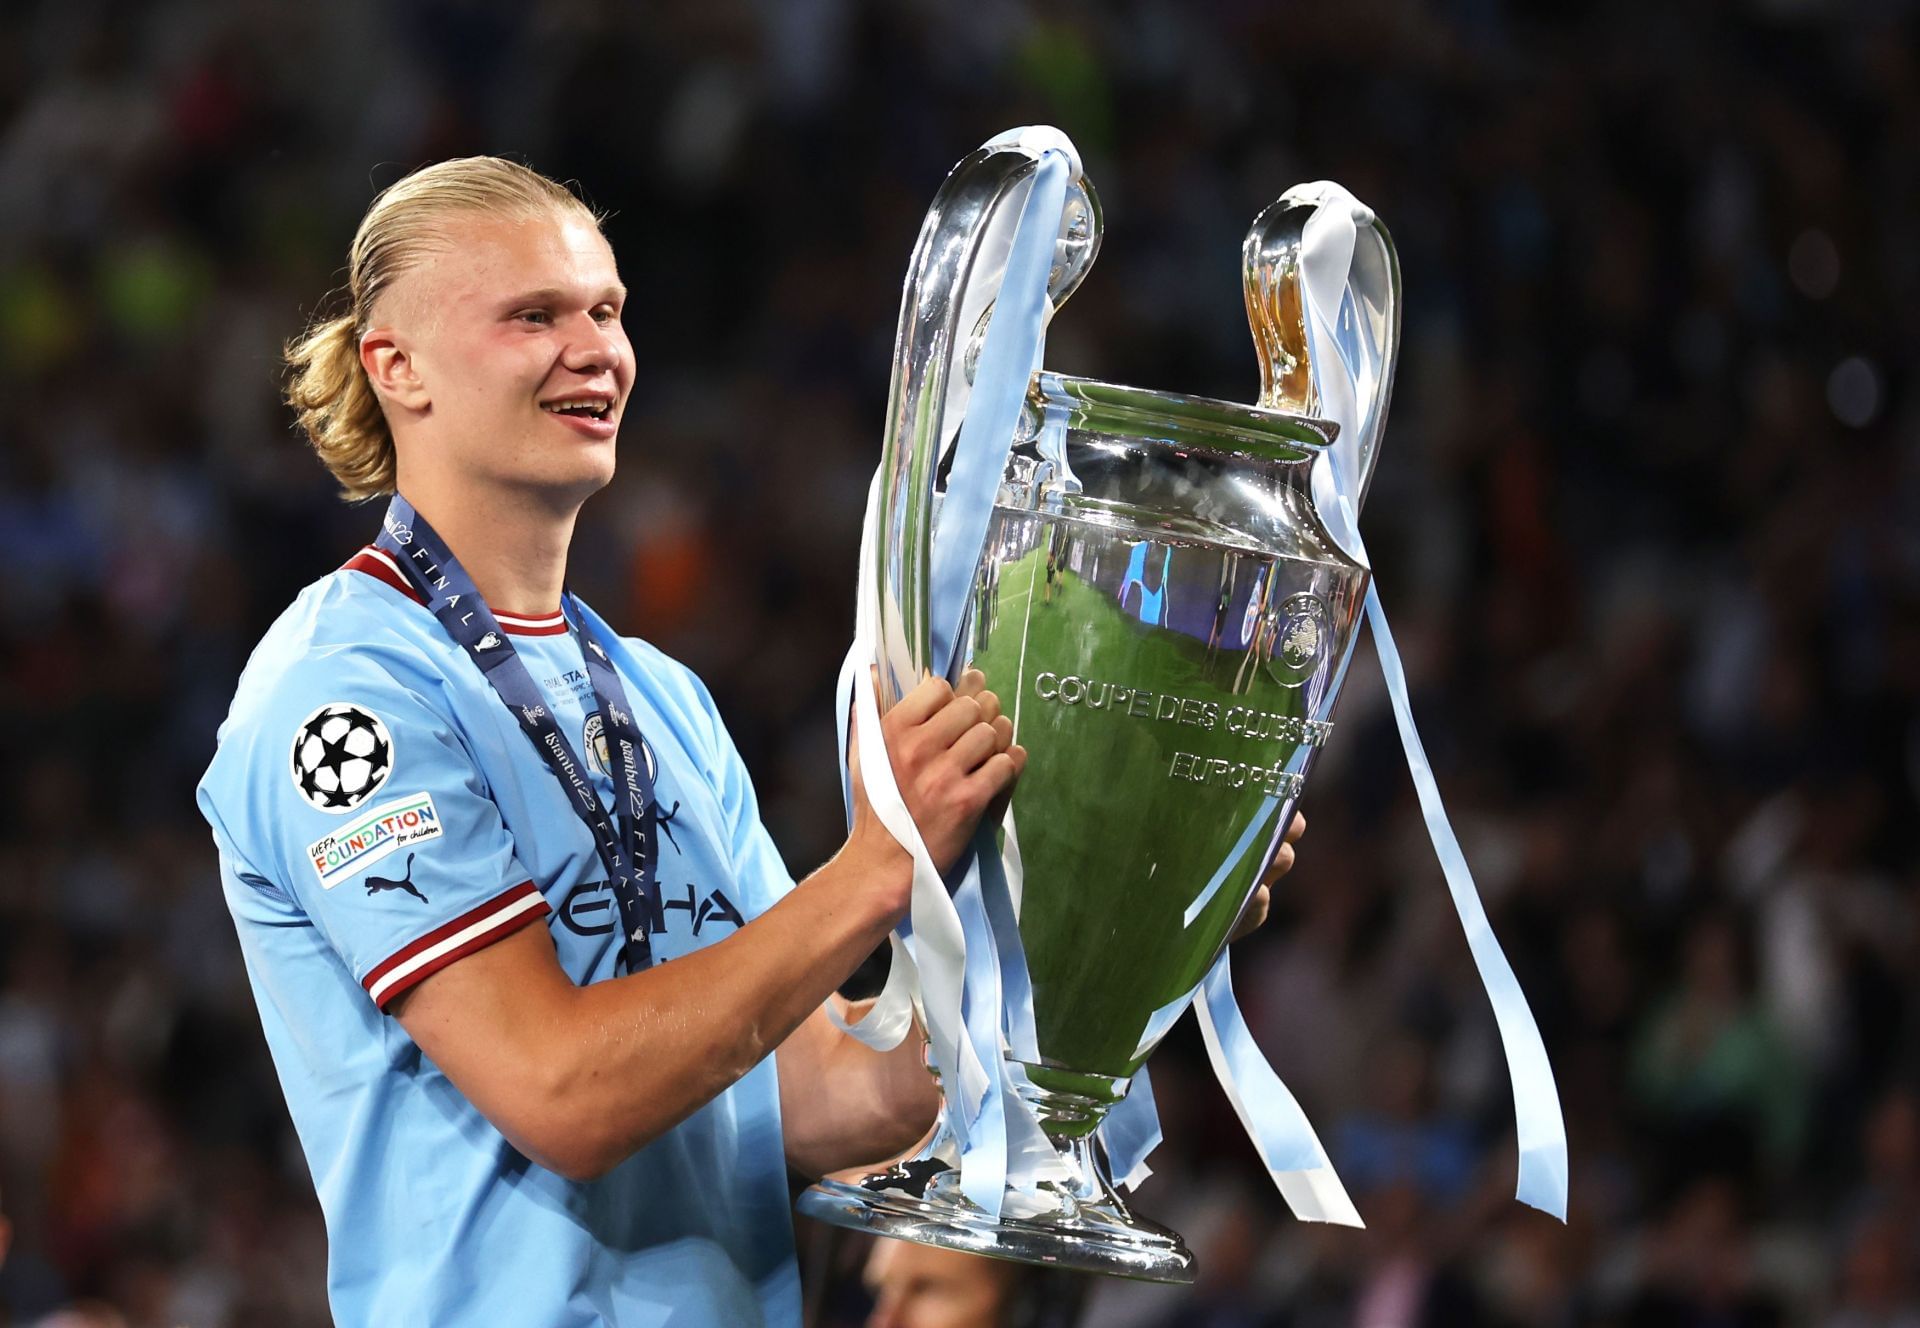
1167,617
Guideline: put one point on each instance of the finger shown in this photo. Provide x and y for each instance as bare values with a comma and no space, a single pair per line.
998,773
953,719
975,746
989,706
920,703
1016,757
1254,915
1295,830
972,683
1282,864
1003,731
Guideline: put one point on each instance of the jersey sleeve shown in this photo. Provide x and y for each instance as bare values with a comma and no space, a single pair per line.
349,792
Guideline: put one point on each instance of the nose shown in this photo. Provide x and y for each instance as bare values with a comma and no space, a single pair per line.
595,347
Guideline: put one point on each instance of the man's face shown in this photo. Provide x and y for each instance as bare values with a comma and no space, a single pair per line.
521,368
919,1286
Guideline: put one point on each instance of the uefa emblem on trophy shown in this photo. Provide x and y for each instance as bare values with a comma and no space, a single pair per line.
1165,591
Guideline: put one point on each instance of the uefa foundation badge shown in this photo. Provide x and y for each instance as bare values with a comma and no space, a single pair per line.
370,837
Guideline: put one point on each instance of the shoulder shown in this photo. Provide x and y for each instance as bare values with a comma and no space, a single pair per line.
346,643
345,629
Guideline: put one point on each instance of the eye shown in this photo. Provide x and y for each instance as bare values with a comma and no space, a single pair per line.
537,317
606,313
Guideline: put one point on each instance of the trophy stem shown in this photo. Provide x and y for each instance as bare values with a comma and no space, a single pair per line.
1069,1104
1077,1222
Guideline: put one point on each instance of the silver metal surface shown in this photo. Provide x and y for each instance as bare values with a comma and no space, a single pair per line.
956,268
1161,612
1164,616
1271,281
1085,1226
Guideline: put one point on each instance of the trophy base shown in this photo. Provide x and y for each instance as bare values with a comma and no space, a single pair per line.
1084,1227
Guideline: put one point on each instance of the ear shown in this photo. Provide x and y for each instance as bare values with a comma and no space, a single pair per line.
388,360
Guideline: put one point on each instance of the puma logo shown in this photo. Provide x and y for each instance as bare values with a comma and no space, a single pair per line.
375,884
665,821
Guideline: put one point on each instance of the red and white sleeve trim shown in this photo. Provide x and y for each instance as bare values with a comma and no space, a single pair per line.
473,930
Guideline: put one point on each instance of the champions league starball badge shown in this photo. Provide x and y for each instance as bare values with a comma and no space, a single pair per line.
342,754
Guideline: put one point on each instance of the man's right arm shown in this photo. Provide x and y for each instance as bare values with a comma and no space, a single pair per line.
578,1078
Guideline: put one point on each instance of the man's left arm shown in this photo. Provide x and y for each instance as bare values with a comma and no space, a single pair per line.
843,1104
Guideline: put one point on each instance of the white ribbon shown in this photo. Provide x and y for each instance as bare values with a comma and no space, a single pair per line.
964,946
1348,362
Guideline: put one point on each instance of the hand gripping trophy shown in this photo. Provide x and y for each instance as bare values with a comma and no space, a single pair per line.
1166,592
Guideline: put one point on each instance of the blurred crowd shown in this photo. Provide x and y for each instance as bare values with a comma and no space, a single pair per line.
1647,521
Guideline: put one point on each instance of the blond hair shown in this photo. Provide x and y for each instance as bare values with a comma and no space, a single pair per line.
327,386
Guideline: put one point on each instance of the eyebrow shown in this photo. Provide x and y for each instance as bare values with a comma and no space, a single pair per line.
553,295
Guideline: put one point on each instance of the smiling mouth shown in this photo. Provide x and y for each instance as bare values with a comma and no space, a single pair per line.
588,407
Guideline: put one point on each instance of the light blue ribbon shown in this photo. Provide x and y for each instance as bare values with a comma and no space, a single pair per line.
1274,1119
982,1132
1541,1133
1008,357
1539,1130
1131,1130
1351,369
998,991
1016,983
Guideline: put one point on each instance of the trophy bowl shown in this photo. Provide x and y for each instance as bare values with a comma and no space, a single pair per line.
1164,618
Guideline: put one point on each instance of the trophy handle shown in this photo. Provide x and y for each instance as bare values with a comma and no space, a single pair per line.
1367,325
958,264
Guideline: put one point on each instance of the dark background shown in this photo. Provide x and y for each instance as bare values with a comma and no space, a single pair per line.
1646,524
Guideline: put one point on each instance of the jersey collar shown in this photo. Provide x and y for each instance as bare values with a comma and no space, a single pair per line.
377,564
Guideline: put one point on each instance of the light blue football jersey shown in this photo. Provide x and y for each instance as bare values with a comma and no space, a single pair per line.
380,815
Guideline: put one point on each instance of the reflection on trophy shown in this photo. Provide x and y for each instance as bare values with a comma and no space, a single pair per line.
1166,617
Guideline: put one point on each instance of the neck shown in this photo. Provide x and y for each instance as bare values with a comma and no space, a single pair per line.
513,545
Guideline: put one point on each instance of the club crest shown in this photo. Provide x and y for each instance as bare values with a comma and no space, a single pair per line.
593,741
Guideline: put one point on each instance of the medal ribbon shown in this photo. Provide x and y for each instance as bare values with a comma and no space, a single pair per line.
626,843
